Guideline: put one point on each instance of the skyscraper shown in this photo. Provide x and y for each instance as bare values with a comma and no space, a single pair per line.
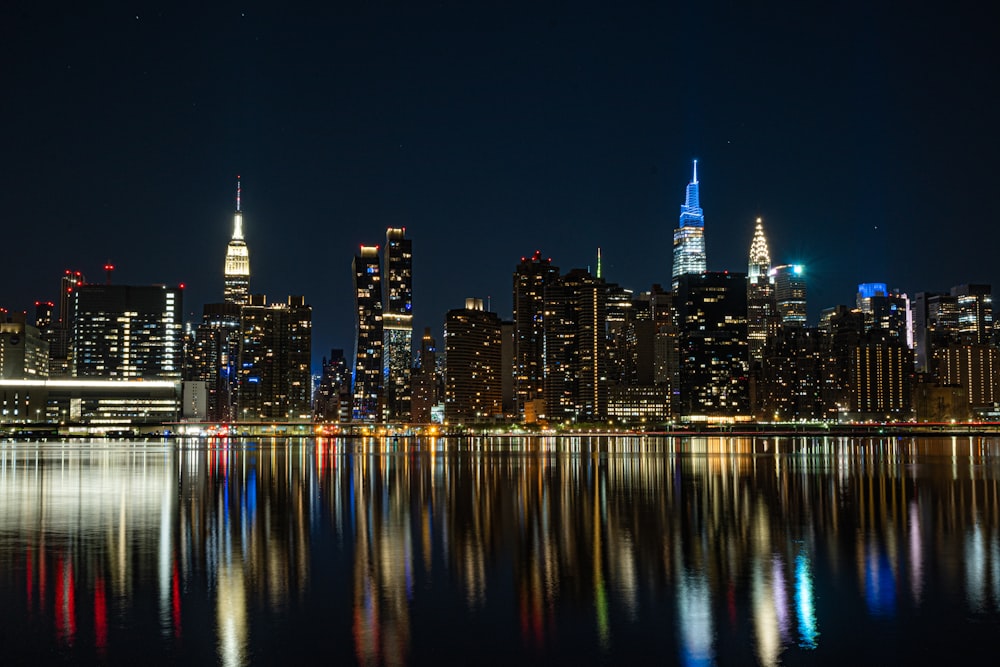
274,367
473,391
368,388
576,384
689,237
790,294
530,279
397,323
761,320
237,270
213,358
712,312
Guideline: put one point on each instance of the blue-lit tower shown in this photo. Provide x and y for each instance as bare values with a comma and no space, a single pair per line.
689,237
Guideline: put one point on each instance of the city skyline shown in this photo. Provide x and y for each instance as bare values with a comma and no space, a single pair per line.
556,130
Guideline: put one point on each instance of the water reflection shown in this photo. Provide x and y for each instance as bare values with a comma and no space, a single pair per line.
692,550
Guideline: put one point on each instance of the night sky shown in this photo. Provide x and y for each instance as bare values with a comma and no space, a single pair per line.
866,139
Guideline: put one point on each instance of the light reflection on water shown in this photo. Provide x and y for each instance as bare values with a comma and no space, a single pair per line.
381,551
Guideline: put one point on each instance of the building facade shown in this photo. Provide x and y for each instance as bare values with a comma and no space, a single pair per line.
397,324
790,294
531,277
473,390
761,307
124,332
368,340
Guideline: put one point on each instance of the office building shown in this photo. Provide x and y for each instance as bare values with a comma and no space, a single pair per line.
531,277
881,368
427,386
712,318
689,237
213,357
790,383
237,267
473,390
332,400
368,341
576,386
397,324
789,282
124,332
275,379
886,310
24,354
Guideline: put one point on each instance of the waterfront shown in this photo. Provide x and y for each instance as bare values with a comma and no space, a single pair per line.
693,550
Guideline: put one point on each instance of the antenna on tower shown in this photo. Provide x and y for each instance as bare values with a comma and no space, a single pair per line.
598,261
108,270
695,178
237,192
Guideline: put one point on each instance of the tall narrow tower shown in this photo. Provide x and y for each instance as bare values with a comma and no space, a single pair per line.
689,237
368,387
761,308
397,323
237,272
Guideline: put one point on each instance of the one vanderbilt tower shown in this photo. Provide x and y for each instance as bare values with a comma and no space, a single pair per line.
689,237
237,273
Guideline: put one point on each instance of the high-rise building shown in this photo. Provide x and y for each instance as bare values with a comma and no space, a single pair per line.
976,368
397,324
426,385
368,342
975,313
473,389
275,379
935,325
575,320
59,332
881,367
237,269
127,332
689,237
790,294
213,359
531,277
712,316
332,401
887,310
790,382
762,322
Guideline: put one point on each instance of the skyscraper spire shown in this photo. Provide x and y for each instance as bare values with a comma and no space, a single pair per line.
238,217
599,263
762,320
237,269
689,237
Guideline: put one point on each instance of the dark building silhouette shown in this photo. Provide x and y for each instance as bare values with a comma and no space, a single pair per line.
426,380
714,367
575,348
332,400
531,277
789,386
213,357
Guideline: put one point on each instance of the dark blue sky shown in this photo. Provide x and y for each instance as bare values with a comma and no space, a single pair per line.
866,139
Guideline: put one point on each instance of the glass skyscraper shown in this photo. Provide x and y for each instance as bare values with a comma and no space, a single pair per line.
689,237
397,323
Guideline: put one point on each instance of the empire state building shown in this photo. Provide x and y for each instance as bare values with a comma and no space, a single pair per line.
237,272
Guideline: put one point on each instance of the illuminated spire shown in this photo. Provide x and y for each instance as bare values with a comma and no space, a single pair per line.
760,256
598,262
238,217
237,267
694,179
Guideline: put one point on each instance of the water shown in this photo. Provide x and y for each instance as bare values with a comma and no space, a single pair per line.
494,551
